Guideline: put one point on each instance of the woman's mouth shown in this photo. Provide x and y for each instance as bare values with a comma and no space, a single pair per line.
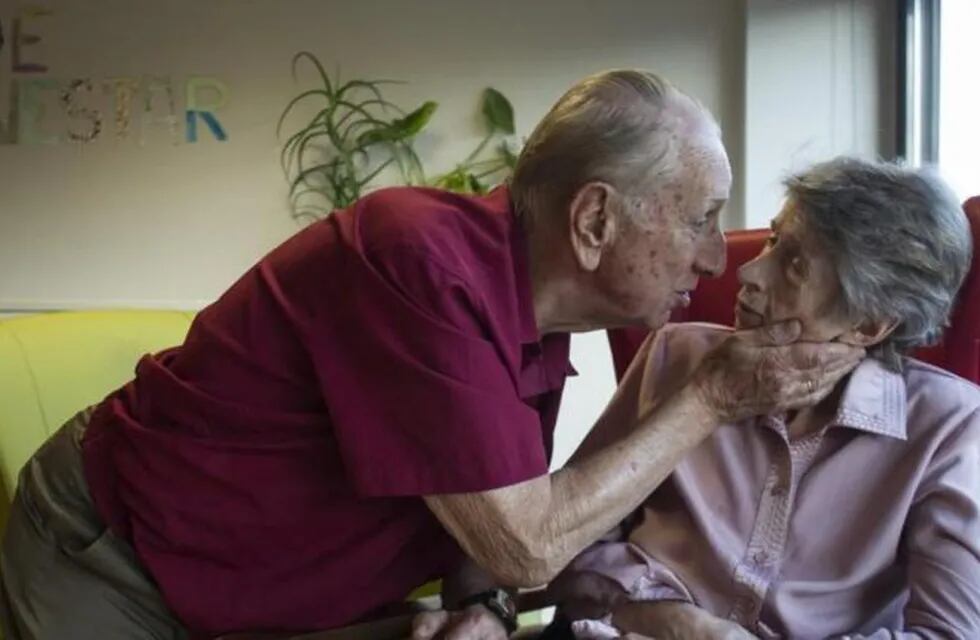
747,317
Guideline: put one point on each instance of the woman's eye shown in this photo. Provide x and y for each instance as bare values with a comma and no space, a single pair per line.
797,266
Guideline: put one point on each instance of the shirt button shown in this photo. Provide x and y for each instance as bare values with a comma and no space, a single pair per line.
760,557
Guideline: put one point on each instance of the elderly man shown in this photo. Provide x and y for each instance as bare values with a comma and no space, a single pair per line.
857,517
376,397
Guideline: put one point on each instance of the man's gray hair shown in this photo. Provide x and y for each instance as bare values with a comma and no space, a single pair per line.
623,127
899,240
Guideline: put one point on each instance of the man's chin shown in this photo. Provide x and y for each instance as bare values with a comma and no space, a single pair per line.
651,323
657,322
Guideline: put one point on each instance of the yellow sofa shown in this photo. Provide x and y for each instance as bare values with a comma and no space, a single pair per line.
55,364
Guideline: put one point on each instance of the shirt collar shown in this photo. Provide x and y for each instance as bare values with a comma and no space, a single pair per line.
522,275
874,401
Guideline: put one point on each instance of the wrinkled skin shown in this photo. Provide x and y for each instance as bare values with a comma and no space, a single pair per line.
473,623
739,379
626,260
793,277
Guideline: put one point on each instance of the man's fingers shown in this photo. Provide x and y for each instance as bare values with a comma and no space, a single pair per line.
816,384
428,623
821,355
474,626
772,335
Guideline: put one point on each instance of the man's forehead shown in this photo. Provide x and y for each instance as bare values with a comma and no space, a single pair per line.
705,164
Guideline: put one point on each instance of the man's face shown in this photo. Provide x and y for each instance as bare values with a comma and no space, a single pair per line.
662,250
793,277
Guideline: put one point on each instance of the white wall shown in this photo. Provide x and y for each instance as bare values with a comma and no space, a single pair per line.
819,83
116,223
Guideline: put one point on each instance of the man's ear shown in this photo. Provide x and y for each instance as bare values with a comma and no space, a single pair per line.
592,219
868,333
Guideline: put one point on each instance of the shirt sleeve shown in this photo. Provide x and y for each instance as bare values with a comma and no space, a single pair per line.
420,396
609,574
943,546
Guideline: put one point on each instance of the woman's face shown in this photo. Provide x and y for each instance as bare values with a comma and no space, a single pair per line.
792,278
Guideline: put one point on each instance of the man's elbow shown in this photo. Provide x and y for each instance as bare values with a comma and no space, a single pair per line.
525,566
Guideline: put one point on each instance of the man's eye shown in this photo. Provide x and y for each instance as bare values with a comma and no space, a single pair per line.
772,240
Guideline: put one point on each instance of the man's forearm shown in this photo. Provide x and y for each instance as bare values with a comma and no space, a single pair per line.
593,494
563,513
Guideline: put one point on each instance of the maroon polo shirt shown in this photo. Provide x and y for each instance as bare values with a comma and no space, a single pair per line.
268,472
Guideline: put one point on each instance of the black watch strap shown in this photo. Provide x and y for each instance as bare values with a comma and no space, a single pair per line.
499,602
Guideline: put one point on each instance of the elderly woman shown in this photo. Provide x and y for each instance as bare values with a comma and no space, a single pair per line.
858,517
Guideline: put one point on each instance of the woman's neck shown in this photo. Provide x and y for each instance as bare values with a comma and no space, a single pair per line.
802,423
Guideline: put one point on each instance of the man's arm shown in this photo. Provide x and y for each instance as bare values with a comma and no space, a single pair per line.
524,534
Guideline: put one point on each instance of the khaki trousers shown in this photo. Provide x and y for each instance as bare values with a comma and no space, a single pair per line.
63,574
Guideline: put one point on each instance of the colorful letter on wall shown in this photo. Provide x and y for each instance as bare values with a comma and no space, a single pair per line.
6,126
30,110
162,87
22,39
123,91
197,107
74,103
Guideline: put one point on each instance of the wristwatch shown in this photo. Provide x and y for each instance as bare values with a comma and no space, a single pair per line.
499,602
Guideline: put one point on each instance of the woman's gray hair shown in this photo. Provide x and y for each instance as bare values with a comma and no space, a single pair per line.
623,127
899,240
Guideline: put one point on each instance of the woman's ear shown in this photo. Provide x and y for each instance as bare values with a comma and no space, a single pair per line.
868,333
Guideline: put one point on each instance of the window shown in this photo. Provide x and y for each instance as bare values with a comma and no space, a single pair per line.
939,91
959,95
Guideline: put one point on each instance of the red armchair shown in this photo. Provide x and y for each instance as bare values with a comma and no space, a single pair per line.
714,301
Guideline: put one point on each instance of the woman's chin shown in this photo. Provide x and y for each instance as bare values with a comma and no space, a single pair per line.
747,320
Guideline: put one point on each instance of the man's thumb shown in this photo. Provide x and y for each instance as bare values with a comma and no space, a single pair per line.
777,333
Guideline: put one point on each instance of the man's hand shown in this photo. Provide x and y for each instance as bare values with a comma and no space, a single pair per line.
475,622
762,371
668,620
584,594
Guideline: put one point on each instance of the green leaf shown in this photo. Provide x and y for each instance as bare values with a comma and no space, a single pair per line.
498,111
509,158
401,128
327,85
453,181
474,184
375,136
295,101
413,123
370,85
